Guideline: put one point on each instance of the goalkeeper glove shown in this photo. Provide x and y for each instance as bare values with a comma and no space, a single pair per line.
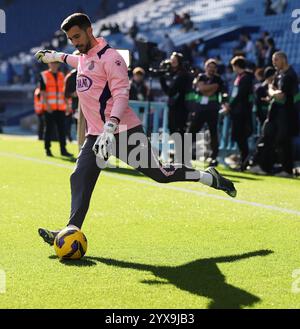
103,146
49,56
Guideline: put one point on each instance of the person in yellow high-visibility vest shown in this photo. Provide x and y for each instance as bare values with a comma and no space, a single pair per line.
52,92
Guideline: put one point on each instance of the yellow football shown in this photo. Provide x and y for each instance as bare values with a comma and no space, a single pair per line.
70,243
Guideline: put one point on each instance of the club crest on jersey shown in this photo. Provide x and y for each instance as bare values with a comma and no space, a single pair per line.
84,83
92,65
118,62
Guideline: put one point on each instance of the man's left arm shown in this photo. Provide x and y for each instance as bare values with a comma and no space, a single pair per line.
289,85
277,94
287,88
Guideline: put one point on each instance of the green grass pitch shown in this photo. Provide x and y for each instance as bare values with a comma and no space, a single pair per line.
180,245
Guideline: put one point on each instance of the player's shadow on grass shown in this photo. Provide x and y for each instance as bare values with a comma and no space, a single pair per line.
83,262
71,159
201,277
230,176
134,172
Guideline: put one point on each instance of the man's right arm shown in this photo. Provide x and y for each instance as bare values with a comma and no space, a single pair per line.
50,56
71,60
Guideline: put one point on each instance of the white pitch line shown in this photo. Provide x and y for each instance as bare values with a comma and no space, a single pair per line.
168,187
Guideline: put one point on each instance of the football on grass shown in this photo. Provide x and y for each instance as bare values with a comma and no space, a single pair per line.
70,243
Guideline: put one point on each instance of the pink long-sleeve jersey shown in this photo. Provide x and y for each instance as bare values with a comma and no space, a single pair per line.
103,87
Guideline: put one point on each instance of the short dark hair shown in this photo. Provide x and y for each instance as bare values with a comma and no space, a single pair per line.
271,41
77,19
239,61
179,57
269,72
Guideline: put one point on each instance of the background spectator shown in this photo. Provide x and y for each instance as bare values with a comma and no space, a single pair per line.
177,19
268,8
138,88
260,53
187,23
271,49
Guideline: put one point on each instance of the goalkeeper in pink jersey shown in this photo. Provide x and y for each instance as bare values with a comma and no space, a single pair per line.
103,91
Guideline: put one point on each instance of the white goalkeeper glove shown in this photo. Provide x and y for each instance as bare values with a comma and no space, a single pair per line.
49,56
103,146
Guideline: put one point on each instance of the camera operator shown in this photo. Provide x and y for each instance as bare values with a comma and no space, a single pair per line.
179,84
208,86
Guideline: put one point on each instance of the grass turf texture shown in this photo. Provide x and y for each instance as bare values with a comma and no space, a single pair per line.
148,246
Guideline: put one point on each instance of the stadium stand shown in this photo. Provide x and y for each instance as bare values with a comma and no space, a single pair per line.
211,19
22,17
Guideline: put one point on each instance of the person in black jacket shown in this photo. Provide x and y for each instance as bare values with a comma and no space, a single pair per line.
275,144
271,49
139,91
240,107
283,92
208,87
263,158
261,93
179,84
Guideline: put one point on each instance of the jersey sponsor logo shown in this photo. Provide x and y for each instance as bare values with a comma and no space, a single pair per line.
84,83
